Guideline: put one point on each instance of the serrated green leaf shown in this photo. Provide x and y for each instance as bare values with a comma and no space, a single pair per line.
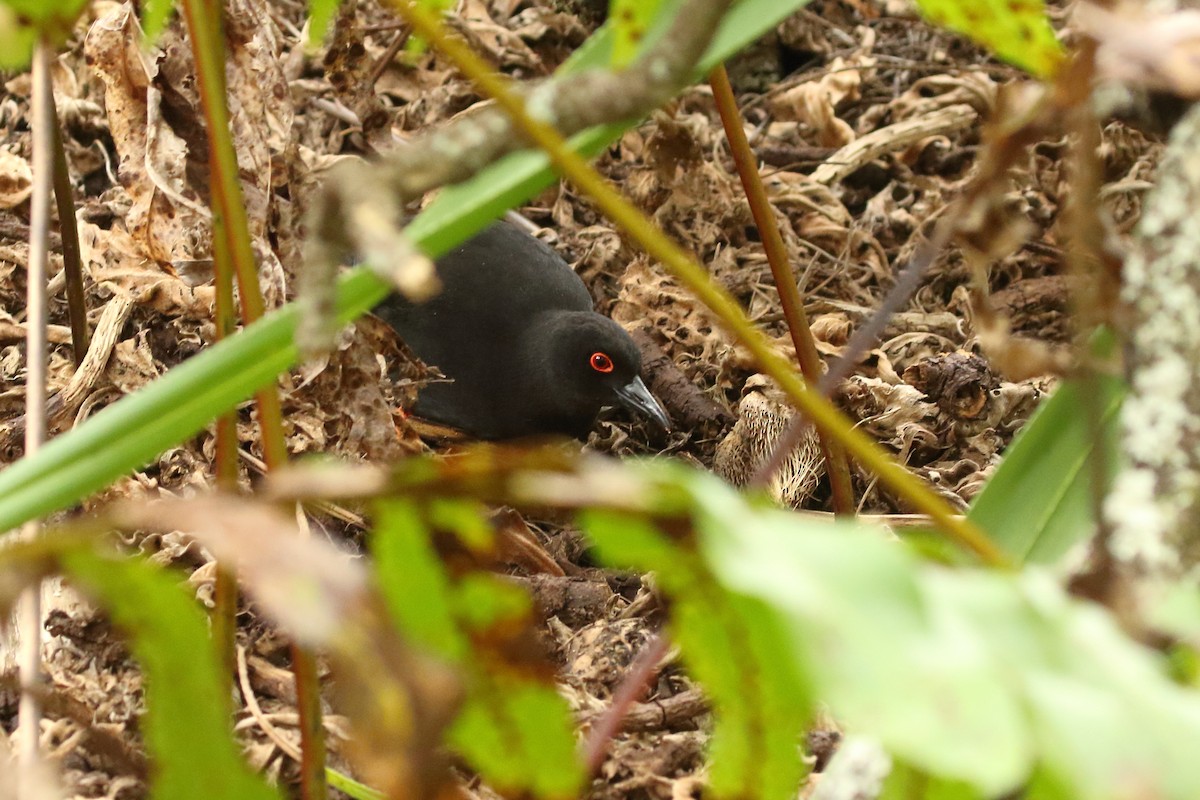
1017,31
519,737
730,646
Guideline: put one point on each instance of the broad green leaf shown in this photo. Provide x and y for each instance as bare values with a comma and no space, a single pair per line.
981,680
155,14
1017,31
631,22
131,432
23,22
16,40
514,727
1039,502
186,724
904,782
867,636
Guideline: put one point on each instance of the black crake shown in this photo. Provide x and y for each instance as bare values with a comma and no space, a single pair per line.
514,328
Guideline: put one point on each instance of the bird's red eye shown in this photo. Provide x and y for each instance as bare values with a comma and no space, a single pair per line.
601,362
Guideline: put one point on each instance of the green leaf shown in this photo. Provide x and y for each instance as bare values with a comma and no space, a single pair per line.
904,782
865,634
16,40
514,727
23,22
1015,30
155,14
1039,502
321,12
414,582
631,22
186,724
980,680
731,645
53,19
519,736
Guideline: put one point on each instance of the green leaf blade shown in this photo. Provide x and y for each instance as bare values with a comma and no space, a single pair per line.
186,725
1039,503
1017,31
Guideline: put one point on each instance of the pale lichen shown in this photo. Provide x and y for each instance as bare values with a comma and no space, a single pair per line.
856,772
1155,498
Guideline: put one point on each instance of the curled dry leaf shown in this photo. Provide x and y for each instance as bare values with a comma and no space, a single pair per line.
16,179
1145,47
959,383
893,138
167,220
889,411
814,103
653,302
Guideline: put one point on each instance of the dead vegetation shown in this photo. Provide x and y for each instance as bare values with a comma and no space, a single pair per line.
869,123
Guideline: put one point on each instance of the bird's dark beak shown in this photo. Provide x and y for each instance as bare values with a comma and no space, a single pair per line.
637,398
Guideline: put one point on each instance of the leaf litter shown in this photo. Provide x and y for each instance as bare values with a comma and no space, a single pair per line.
868,124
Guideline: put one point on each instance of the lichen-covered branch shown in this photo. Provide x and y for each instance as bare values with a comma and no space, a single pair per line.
1154,506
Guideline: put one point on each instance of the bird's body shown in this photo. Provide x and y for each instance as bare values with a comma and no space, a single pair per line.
515,331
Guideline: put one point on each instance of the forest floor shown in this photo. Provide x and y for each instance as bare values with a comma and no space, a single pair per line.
830,75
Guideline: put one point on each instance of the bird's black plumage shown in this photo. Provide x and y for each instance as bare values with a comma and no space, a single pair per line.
515,330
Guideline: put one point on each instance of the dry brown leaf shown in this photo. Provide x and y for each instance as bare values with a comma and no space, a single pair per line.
1148,48
16,179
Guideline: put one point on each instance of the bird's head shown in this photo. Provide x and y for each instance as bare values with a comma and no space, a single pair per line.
592,362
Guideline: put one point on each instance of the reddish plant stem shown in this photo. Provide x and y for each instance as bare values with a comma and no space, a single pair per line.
72,261
790,298
224,616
